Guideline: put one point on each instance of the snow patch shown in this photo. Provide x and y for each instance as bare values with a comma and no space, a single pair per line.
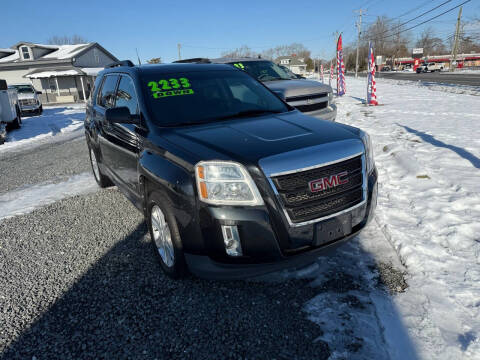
25,200
56,124
427,150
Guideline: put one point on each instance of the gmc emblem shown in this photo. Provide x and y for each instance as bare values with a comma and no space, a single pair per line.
328,182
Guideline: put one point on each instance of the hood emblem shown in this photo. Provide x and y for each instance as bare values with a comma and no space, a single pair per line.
328,182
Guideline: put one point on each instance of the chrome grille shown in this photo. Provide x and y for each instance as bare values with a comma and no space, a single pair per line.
308,103
302,205
27,102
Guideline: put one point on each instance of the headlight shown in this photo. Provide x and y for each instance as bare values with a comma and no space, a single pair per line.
330,97
226,183
368,150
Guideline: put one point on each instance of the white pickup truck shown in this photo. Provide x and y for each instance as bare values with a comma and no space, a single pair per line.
10,117
429,67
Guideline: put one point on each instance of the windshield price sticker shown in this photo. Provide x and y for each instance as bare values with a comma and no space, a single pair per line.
170,87
240,66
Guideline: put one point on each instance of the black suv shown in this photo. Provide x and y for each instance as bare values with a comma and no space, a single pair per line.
233,182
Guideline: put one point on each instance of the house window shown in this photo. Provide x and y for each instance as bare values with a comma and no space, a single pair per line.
25,53
96,56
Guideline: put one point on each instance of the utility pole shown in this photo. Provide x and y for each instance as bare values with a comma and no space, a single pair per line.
359,30
455,44
179,46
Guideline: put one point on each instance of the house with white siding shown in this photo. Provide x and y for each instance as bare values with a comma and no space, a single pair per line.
296,64
63,73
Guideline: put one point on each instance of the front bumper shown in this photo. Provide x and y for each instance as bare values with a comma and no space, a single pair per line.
30,108
329,113
267,244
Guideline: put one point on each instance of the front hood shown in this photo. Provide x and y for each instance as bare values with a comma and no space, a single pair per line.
22,96
289,88
248,140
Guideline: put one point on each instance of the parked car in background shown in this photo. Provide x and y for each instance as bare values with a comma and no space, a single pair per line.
10,115
310,97
429,67
386,68
233,181
28,99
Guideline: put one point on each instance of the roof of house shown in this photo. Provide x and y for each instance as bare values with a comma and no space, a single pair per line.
59,52
10,58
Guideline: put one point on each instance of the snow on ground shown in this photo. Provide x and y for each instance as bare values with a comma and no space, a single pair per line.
427,149
27,199
56,124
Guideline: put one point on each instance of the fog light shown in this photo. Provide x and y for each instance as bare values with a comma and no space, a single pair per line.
231,240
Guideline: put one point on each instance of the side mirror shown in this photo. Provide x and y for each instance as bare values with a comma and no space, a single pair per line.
120,115
38,92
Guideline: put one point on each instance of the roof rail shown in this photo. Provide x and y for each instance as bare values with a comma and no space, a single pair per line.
120,63
194,60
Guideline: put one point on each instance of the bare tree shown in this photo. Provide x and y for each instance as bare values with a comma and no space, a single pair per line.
296,49
155,61
67,40
431,44
242,51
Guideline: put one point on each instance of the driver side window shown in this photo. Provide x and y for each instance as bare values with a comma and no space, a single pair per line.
106,97
126,95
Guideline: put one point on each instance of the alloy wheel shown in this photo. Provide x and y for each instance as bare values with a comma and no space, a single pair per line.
162,236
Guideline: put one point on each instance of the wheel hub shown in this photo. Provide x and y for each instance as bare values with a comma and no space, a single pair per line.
162,236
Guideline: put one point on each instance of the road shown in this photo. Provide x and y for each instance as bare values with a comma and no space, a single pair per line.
443,78
79,278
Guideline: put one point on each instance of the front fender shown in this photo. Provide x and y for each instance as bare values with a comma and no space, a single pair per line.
177,184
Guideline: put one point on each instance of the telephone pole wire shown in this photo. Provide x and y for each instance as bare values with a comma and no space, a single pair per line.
359,30
179,46
455,43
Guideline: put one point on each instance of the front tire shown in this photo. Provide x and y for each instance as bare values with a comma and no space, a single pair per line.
102,180
165,236
17,123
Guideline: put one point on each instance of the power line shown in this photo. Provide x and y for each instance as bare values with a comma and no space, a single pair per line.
418,16
419,24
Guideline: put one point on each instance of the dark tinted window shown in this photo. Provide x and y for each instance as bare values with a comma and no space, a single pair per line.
126,95
206,96
263,70
107,94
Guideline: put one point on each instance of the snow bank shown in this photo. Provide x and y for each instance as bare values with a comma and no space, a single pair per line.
56,124
427,149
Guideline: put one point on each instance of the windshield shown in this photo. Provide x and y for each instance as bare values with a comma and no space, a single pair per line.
23,88
263,70
206,96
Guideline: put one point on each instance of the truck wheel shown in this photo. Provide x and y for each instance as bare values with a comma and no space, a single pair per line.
165,236
40,110
102,180
17,123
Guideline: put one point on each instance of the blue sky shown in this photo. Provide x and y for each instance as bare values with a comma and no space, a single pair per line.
206,28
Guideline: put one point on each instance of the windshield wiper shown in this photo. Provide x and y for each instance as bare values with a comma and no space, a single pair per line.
240,114
275,78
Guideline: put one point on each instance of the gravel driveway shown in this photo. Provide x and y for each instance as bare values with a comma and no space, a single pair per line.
81,275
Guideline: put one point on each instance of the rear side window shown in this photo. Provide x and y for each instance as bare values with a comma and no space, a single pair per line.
106,98
126,95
